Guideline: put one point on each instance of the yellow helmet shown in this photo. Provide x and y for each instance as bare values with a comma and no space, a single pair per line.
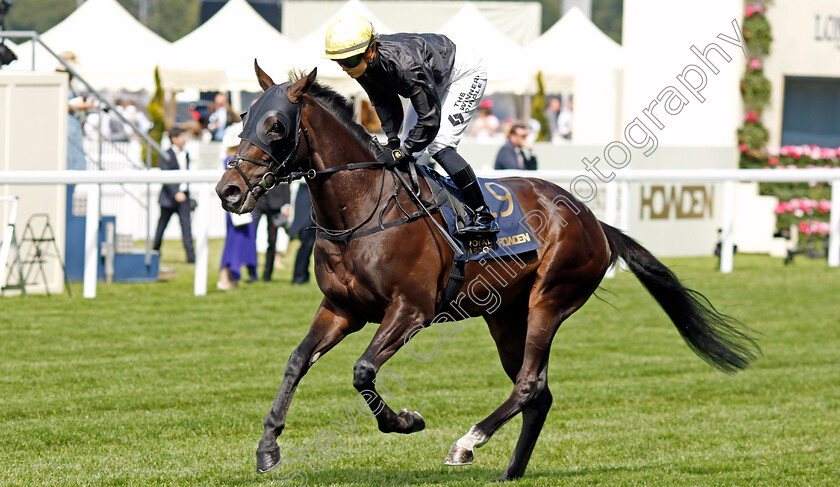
348,36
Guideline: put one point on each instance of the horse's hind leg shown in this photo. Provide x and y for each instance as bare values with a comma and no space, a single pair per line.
529,348
508,328
509,332
533,418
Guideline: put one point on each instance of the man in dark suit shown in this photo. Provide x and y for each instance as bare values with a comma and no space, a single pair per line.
275,206
303,219
513,154
175,198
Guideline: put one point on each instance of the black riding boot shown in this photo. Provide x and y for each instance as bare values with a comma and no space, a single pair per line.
483,222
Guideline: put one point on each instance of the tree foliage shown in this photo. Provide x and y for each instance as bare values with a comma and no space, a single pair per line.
172,19
538,110
607,15
156,115
38,15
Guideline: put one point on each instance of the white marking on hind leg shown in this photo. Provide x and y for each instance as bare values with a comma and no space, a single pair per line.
315,357
473,439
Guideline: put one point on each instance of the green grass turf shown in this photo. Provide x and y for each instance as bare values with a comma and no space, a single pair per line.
149,385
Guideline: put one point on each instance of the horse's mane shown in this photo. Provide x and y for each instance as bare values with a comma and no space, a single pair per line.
341,109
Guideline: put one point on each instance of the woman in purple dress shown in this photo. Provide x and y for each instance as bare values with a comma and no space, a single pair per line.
240,240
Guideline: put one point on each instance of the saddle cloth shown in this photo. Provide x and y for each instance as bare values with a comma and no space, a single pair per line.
514,235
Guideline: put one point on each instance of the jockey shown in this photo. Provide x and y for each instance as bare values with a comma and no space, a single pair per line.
444,90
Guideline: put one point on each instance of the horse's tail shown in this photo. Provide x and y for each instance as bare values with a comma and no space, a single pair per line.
718,339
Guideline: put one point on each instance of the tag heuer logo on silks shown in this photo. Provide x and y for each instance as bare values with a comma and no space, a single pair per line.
456,119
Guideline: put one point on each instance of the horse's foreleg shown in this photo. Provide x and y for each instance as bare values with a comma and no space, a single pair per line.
399,319
328,328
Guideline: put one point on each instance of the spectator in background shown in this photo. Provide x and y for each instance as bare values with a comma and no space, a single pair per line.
77,107
552,111
241,236
516,153
565,119
6,54
221,118
300,228
112,128
276,208
175,198
135,116
486,125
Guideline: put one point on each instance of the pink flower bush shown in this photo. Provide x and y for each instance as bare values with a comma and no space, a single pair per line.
809,155
824,206
755,64
814,228
751,116
756,8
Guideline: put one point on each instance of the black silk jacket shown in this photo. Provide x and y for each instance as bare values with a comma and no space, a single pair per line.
412,66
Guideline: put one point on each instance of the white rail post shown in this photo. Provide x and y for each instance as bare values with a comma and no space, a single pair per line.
201,251
624,207
834,226
727,247
8,237
91,241
611,216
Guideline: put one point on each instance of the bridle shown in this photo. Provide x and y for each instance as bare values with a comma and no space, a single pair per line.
274,167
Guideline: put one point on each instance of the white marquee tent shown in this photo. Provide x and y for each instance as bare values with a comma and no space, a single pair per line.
571,46
114,50
310,49
506,69
575,56
518,20
220,53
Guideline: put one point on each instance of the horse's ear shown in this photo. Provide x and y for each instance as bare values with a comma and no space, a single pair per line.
264,79
302,86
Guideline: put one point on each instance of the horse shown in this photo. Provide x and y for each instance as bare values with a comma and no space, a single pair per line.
371,275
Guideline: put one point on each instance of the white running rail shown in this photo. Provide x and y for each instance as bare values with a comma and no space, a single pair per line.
206,179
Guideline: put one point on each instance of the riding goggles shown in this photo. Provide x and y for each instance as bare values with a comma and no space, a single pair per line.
352,61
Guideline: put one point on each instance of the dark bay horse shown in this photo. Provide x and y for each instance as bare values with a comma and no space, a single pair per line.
396,276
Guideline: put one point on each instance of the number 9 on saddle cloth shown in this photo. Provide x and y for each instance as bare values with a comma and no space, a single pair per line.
514,237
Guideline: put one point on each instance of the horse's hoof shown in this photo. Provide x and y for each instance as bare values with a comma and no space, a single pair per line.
266,460
459,456
506,476
414,419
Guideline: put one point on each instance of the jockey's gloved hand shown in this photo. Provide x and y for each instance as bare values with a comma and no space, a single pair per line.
395,157
393,143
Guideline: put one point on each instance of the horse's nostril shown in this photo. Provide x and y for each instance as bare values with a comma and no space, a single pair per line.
231,192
